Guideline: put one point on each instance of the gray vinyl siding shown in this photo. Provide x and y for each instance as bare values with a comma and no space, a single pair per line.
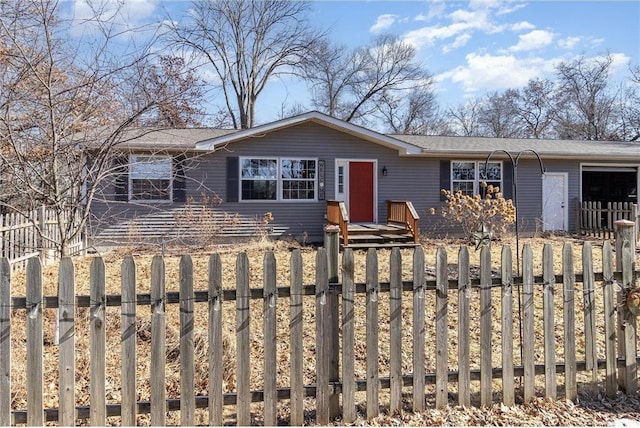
529,193
415,178
311,140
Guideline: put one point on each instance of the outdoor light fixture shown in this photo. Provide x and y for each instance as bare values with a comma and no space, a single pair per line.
385,171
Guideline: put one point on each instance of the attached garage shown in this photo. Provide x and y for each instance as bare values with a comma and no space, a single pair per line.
610,184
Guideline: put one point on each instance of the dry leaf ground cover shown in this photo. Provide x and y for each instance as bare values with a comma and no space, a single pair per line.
591,409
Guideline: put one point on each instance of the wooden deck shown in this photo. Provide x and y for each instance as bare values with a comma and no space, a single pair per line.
370,235
399,230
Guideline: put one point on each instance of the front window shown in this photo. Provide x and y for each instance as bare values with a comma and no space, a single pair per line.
150,178
298,179
467,176
273,179
259,179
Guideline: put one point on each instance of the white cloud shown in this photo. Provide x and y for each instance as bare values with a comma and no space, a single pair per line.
504,10
522,26
495,72
620,61
420,18
463,23
383,22
483,73
427,36
459,42
569,42
535,39
437,9
126,14
126,10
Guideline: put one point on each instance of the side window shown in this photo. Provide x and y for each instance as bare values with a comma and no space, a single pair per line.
467,176
463,177
150,178
492,176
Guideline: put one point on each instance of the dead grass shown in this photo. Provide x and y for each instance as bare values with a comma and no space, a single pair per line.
591,410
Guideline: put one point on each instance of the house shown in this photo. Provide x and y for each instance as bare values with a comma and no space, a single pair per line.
292,168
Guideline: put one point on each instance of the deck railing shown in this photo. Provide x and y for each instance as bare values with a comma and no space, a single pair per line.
403,212
337,215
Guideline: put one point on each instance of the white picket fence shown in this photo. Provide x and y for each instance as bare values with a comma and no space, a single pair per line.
22,241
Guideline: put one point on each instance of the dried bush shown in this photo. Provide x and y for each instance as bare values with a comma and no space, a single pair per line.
492,214
203,221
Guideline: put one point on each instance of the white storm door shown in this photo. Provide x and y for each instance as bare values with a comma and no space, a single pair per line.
555,201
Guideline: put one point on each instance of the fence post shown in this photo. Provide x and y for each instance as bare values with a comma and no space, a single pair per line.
5,342
42,221
332,245
624,232
578,217
635,218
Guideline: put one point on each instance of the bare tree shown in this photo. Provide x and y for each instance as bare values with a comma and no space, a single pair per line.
415,112
247,43
585,106
350,84
534,108
497,115
464,119
330,69
174,89
630,110
64,107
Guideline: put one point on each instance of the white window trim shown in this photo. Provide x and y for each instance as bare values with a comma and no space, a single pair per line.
477,180
130,178
279,180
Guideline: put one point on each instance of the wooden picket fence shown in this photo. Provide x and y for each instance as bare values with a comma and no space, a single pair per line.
598,219
21,240
333,297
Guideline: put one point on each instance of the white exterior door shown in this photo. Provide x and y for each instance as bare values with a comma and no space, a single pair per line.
555,201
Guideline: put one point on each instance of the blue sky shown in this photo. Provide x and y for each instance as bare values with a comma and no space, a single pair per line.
470,47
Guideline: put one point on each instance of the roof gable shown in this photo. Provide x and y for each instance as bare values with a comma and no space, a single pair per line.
402,147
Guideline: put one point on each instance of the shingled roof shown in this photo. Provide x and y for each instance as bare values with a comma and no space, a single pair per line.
413,145
480,146
169,138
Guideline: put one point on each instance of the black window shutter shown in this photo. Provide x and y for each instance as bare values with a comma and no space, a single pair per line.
233,185
507,179
121,181
179,179
445,177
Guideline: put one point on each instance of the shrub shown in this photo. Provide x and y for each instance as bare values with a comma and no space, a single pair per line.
491,214
202,221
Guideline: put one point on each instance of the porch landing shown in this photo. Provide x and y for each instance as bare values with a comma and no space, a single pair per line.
371,235
400,230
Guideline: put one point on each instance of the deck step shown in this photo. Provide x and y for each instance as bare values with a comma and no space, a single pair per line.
366,238
398,236
370,235
367,245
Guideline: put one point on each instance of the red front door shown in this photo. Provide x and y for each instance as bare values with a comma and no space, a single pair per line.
361,192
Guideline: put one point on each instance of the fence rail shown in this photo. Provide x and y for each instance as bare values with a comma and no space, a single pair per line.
598,219
585,296
31,235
